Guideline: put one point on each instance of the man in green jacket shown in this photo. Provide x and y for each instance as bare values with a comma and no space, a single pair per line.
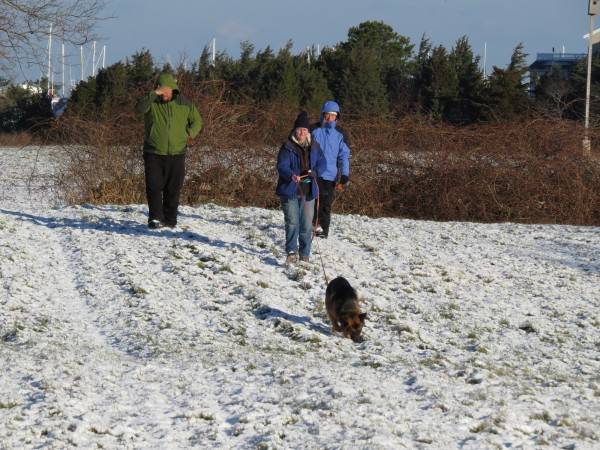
170,121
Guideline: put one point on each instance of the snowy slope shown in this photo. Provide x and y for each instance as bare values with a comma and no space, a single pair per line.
111,335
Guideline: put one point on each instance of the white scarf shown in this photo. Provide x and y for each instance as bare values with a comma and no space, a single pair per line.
304,144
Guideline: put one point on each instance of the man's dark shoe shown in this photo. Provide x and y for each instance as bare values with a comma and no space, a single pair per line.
321,234
154,224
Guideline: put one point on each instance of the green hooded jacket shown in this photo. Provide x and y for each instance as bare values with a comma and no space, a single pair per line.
167,125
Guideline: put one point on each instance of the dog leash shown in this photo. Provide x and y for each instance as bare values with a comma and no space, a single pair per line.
322,263
341,191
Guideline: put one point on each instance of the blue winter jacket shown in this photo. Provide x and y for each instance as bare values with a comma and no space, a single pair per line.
288,164
336,151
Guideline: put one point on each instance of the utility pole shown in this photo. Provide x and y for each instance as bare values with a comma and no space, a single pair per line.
214,51
49,58
593,9
485,60
94,60
62,52
81,61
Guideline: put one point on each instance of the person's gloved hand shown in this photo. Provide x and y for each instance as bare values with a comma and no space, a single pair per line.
343,183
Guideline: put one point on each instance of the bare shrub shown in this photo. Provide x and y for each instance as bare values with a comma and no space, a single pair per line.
523,172
102,162
21,139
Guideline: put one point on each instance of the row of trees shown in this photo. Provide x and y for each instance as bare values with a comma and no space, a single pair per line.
374,72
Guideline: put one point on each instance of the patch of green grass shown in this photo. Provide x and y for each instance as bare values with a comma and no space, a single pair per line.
433,361
482,426
297,275
370,248
138,291
225,268
305,285
375,309
448,311
543,416
292,420
403,328
192,248
8,405
174,254
371,363
97,431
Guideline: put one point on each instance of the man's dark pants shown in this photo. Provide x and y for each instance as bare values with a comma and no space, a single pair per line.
164,180
323,214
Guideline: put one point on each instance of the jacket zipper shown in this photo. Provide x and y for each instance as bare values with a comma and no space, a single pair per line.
169,113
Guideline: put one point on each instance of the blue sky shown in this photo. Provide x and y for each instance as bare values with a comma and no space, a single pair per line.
176,28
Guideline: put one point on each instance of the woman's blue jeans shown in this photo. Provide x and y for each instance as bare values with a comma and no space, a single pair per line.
298,215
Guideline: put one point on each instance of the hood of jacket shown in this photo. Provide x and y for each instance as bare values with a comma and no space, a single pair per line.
166,79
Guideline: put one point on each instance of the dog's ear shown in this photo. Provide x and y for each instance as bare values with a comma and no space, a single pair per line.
362,316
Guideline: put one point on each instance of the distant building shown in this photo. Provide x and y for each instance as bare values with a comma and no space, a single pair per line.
545,62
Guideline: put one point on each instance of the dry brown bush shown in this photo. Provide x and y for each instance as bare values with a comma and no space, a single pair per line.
525,172
21,139
521,172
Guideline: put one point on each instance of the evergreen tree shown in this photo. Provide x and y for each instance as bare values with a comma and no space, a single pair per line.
141,69
439,83
467,106
367,71
112,89
364,92
313,88
286,74
506,93
204,70
83,99
23,109
419,71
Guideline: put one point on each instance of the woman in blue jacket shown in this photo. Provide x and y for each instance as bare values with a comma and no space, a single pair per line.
297,188
335,167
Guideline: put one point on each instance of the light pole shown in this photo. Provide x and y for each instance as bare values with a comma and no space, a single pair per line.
593,9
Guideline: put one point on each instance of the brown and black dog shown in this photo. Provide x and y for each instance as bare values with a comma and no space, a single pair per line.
343,309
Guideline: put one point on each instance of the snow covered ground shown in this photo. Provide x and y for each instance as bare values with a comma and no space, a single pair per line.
113,336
